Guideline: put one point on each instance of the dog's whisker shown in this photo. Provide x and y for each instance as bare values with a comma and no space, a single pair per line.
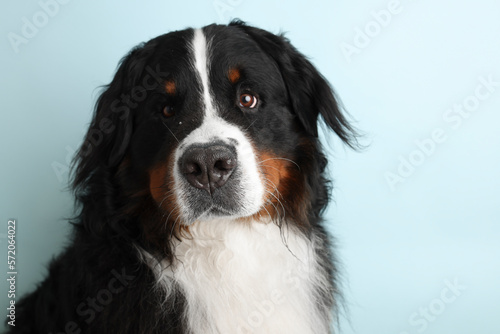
165,198
173,226
251,124
296,164
279,202
275,188
170,131
270,167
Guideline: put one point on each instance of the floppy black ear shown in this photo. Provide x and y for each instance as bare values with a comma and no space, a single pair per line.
111,128
309,93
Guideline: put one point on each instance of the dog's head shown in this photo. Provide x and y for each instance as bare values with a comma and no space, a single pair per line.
206,123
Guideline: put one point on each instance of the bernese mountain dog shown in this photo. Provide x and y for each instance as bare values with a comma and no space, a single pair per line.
200,187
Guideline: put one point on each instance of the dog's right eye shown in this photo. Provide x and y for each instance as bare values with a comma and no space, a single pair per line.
168,110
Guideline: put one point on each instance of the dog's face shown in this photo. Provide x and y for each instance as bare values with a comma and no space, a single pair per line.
213,122
221,128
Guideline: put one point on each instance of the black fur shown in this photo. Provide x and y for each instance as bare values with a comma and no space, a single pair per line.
127,137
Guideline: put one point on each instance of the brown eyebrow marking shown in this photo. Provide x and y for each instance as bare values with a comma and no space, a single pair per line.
234,75
170,87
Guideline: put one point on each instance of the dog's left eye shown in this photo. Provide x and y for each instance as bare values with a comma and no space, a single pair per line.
168,110
247,101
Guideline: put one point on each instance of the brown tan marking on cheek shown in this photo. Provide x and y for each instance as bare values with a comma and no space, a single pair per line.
161,187
274,173
294,190
234,75
273,170
286,193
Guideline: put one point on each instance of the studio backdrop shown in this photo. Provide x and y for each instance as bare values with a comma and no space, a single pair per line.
415,213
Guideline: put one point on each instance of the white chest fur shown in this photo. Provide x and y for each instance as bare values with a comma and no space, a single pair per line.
243,278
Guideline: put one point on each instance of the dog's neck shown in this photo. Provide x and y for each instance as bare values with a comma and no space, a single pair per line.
250,277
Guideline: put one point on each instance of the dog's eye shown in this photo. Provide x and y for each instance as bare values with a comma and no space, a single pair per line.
247,101
168,110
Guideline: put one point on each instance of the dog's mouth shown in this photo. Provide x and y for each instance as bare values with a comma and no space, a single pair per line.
217,211
227,201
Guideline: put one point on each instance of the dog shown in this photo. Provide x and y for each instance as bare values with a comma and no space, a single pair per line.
200,187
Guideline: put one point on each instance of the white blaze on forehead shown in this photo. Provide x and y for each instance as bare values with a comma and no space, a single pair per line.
200,51
214,128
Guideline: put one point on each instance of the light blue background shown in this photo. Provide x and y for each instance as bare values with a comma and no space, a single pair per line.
398,246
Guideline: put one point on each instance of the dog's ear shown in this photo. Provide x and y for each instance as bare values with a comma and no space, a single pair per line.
309,93
111,128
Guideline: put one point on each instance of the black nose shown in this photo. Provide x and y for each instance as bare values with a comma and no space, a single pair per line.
208,167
